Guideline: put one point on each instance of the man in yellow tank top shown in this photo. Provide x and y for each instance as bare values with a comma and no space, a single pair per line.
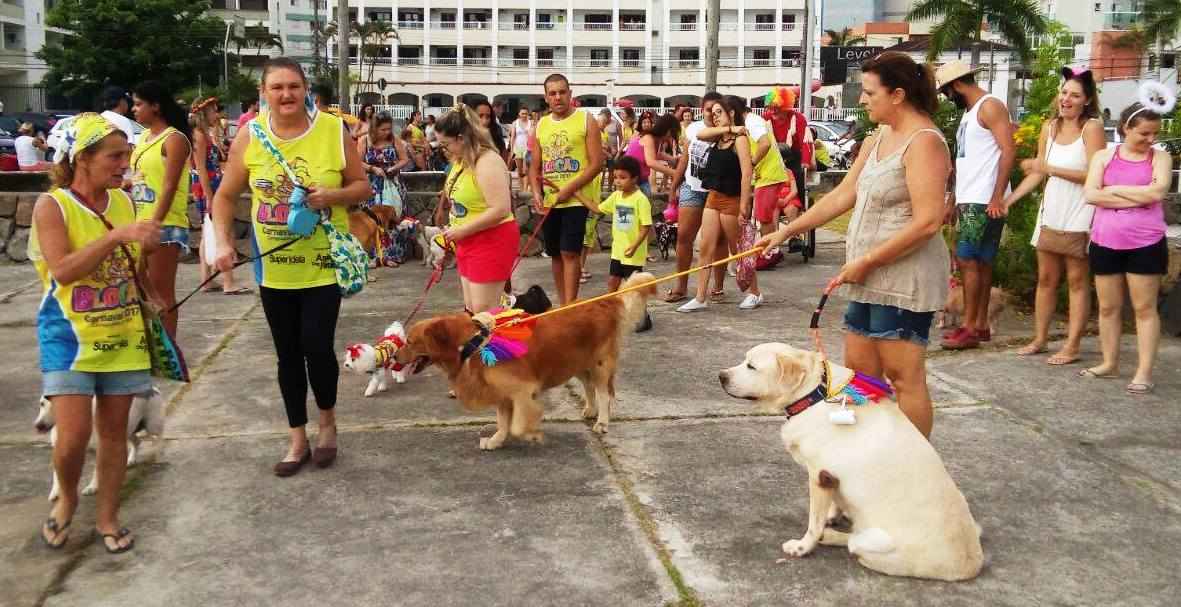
567,159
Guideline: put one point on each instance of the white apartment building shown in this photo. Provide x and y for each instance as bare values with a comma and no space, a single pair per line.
291,20
649,51
22,34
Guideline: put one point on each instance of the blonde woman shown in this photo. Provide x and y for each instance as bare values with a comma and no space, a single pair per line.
481,222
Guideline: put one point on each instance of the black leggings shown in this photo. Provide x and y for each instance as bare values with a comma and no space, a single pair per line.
303,327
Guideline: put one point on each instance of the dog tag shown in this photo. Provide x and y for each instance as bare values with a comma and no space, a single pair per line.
843,416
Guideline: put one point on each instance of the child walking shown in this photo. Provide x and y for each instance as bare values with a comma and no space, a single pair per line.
631,221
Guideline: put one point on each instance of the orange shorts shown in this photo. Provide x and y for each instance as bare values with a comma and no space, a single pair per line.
722,203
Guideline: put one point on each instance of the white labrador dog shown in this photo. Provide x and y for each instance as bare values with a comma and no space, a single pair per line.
147,414
378,359
908,516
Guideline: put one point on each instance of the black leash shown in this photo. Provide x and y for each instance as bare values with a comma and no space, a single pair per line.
239,264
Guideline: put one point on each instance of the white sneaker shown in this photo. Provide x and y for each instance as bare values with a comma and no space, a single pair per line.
751,301
692,306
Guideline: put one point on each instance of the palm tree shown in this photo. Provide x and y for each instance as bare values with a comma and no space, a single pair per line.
374,35
257,38
844,37
326,31
1018,21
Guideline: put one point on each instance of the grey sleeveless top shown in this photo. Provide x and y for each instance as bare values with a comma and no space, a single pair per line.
916,281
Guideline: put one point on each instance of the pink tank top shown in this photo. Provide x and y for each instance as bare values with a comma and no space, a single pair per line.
635,149
1133,228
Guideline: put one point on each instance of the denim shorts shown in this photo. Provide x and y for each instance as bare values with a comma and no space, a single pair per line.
979,236
175,235
688,198
111,383
877,321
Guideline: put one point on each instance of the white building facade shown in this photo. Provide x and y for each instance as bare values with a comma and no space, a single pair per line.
22,35
649,51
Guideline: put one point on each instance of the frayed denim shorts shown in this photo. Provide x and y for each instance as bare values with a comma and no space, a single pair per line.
688,198
175,235
878,321
111,383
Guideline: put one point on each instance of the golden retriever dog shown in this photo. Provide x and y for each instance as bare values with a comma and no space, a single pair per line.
365,229
908,516
583,343
953,309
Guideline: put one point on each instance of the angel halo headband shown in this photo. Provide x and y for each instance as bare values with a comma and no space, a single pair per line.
1154,97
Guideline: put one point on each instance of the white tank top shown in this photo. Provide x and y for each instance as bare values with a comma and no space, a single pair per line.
1064,206
977,157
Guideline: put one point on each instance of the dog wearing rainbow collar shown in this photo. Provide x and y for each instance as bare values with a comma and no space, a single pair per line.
865,460
378,359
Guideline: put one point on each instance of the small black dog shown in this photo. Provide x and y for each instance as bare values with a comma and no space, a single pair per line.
533,301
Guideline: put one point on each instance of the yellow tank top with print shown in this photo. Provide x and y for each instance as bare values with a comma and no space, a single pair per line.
92,324
147,181
467,201
563,157
317,157
770,170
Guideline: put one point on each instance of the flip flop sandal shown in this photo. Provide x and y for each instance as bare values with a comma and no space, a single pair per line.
671,296
1059,361
124,532
1139,389
59,532
1025,352
240,291
211,290
1093,375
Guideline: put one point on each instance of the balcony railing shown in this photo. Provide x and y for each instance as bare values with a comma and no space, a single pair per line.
684,27
409,60
444,61
687,63
410,25
760,27
1120,20
728,26
630,62
546,25
788,27
476,25
509,26
759,62
591,27
511,62
477,61
632,26
443,25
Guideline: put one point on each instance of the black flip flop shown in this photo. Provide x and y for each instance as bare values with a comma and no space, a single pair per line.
124,532
51,525
240,291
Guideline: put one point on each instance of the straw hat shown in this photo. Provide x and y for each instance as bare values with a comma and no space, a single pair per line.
953,70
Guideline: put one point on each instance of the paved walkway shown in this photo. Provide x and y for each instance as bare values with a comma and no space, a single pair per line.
685,501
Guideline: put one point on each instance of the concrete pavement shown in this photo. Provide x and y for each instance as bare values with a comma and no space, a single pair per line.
684,502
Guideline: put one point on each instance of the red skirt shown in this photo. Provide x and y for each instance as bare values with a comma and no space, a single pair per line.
488,256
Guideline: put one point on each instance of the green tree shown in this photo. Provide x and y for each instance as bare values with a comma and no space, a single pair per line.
844,37
1018,21
259,39
121,41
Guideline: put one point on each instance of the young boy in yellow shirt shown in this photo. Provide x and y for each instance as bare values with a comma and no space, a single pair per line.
631,222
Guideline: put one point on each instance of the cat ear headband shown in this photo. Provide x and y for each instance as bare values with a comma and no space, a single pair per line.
1154,97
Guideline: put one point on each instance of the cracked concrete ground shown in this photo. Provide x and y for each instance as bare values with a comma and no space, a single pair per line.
684,502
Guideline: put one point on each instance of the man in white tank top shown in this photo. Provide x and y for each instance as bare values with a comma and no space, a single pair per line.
985,153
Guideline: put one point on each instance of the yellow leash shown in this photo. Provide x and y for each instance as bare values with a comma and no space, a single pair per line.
643,285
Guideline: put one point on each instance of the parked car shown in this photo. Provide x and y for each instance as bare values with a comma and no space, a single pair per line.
8,129
831,130
41,122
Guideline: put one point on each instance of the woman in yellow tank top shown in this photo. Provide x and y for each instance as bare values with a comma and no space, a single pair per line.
89,330
297,284
481,221
160,186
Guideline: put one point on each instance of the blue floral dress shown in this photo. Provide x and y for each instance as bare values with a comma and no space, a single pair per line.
385,158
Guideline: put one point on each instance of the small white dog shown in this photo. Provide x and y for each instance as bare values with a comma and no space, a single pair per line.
864,459
433,254
147,414
378,359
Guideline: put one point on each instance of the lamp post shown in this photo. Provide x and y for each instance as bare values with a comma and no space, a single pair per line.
235,25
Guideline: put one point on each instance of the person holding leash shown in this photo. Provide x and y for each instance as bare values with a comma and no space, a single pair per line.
897,265
85,242
300,296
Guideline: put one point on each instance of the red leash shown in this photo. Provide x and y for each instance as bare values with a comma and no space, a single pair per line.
536,230
431,281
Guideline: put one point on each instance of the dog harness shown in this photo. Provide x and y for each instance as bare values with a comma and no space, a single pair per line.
861,389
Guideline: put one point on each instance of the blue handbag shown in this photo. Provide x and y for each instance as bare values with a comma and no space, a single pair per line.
301,220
